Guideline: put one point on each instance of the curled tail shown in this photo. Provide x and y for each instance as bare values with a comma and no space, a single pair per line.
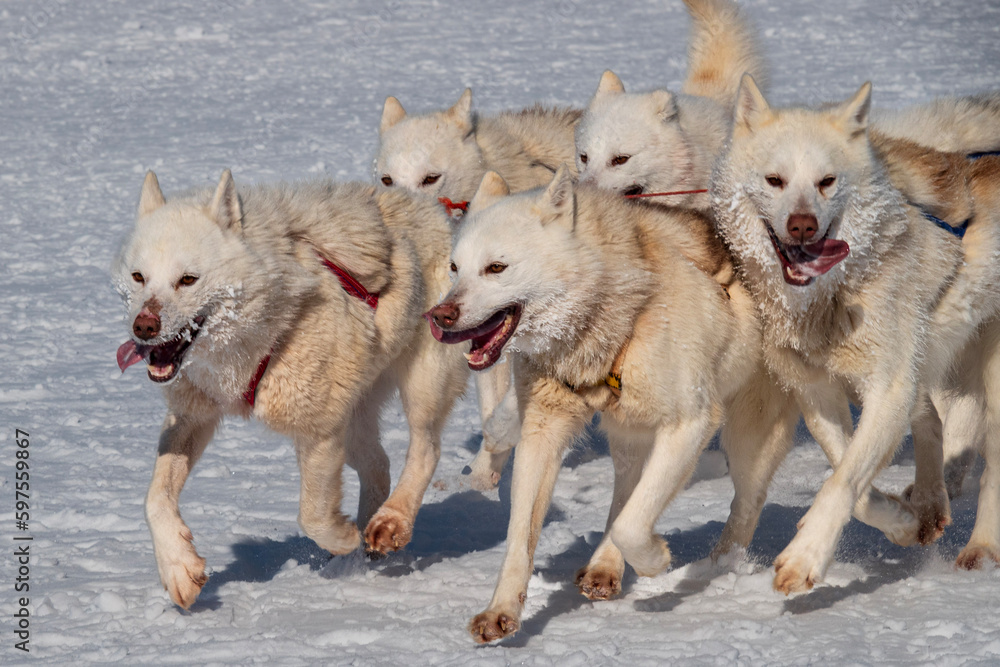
723,46
952,124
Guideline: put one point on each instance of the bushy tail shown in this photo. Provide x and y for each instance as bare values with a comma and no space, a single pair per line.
723,46
953,124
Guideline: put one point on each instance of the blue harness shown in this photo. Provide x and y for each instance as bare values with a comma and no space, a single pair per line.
960,230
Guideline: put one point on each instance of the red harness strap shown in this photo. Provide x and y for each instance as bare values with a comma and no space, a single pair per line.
350,285
451,206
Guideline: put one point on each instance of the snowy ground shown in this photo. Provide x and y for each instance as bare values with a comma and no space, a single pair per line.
93,94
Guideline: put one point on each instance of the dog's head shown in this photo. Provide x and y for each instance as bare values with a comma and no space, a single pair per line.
168,273
792,187
631,143
435,154
514,262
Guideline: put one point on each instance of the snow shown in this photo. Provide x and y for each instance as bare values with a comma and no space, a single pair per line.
96,93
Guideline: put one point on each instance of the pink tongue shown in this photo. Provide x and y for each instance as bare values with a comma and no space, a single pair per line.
818,258
128,356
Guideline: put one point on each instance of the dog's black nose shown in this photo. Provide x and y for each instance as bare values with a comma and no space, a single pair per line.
445,314
802,226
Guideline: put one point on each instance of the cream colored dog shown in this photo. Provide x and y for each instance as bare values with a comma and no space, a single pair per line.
300,306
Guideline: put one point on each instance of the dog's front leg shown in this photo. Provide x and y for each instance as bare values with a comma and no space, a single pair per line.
321,465
553,416
883,423
929,496
669,465
827,414
182,441
501,424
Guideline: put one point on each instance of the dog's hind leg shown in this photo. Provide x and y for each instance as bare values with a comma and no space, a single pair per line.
601,577
670,463
828,416
553,417
428,386
758,433
984,543
366,455
182,441
321,465
928,496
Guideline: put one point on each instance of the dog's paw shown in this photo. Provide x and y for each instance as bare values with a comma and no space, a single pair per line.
794,575
933,512
648,555
182,570
599,583
389,530
491,625
340,538
976,556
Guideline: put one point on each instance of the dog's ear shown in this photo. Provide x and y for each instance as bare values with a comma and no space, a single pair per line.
610,85
491,190
664,105
225,208
558,202
853,114
460,113
392,113
751,107
152,196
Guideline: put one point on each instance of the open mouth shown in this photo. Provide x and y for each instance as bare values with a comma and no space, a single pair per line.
633,191
487,338
800,264
163,360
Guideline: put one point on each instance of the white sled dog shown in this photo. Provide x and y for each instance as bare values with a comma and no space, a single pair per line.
444,154
861,296
300,306
646,143
616,307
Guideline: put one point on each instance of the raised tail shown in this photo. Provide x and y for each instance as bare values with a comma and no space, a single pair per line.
723,46
952,124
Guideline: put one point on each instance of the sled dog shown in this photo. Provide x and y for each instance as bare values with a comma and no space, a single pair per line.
300,306
613,307
861,296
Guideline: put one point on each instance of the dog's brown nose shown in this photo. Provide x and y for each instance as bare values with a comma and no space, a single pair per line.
146,325
445,314
802,227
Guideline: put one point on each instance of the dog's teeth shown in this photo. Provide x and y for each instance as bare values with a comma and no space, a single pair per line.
468,355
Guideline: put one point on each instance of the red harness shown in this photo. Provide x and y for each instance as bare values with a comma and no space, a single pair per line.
451,206
350,285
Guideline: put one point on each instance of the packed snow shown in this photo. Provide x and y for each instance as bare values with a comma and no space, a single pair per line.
94,94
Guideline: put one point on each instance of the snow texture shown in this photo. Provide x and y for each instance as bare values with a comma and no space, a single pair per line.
94,94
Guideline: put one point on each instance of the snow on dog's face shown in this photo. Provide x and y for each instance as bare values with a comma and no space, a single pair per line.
512,278
791,191
632,143
167,273
435,154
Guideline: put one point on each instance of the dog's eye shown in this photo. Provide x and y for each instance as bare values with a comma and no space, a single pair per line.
187,279
387,180
775,181
583,158
138,278
619,160
496,267
454,268
827,182
431,179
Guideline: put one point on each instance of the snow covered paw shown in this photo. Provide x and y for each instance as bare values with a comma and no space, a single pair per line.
389,530
976,556
599,583
794,573
491,625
